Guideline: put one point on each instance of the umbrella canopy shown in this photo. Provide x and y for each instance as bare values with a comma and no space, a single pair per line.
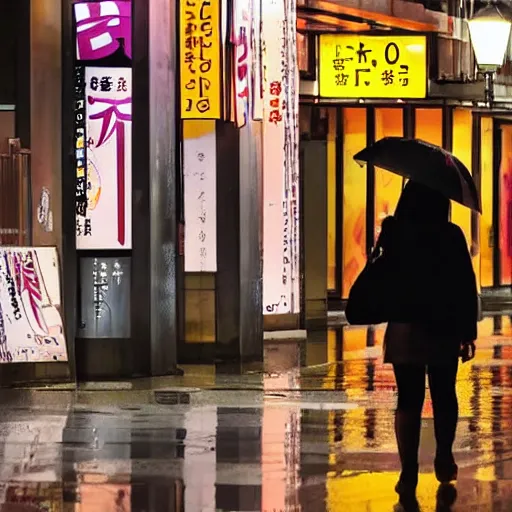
424,163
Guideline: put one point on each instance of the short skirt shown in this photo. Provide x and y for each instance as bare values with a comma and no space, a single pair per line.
414,344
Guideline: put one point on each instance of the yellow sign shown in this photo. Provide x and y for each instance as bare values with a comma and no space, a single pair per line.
367,66
200,59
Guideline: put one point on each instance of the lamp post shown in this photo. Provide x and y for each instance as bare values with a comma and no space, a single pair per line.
489,30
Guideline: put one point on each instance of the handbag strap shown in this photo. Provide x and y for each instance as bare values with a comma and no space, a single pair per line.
377,249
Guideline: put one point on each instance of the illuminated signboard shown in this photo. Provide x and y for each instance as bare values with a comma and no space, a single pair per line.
200,59
103,143
200,191
366,66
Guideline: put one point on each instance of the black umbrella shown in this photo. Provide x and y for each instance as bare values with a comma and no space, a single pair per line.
424,163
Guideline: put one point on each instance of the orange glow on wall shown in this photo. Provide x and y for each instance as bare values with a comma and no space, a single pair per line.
462,148
354,339
506,204
429,125
102,497
331,200
354,197
486,223
388,186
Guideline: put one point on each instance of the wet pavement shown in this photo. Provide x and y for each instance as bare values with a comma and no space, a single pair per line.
312,433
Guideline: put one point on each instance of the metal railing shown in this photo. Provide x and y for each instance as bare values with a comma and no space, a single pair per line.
15,196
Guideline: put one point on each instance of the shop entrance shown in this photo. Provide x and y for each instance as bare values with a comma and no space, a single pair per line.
358,199
496,233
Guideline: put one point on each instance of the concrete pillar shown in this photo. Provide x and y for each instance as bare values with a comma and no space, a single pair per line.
239,253
45,115
163,80
251,224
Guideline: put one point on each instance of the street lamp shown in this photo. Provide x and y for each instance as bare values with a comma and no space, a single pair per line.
489,29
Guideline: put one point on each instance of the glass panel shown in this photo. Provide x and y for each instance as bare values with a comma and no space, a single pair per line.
105,285
388,186
200,317
486,220
429,125
354,197
506,204
331,200
200,324
303,52
461,148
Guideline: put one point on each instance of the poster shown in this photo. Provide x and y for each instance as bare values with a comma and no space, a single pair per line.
31,328
200,191
108,108
103,136
368,66
200,59
281,242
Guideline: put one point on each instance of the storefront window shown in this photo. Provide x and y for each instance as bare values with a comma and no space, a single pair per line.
354,197
331,200
388,186
505,222
302,52
462,149
429,125
486,219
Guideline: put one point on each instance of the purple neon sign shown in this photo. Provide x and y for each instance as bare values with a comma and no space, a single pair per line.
101,29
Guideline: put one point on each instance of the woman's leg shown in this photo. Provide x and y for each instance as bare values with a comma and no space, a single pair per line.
410,380
442,380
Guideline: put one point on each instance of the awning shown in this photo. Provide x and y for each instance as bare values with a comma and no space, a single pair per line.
332,16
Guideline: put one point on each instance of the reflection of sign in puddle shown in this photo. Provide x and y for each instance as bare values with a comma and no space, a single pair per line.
320,406
295,400
274,395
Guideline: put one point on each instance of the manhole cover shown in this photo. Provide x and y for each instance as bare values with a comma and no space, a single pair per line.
180,396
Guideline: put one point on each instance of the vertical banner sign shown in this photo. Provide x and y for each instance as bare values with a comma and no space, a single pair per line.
31,327
200,191
103,136
241,39
109,137
200,59
281,243
257,75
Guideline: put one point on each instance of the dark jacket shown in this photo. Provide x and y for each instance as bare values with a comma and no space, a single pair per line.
435,281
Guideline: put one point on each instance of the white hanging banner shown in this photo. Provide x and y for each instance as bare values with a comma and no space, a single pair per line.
257,72
241,38
108,104
200,195
281,243
31,328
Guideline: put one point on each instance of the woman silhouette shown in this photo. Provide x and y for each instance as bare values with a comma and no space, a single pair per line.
435,278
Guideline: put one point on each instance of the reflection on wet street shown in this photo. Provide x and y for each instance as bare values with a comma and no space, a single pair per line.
313,433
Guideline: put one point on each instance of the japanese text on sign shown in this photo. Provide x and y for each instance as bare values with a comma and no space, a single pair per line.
103,220
79,128
200,59
361,66
102,28
275,104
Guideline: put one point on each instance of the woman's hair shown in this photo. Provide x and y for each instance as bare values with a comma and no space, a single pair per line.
423,205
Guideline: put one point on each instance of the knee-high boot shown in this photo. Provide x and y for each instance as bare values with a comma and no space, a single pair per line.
407,429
